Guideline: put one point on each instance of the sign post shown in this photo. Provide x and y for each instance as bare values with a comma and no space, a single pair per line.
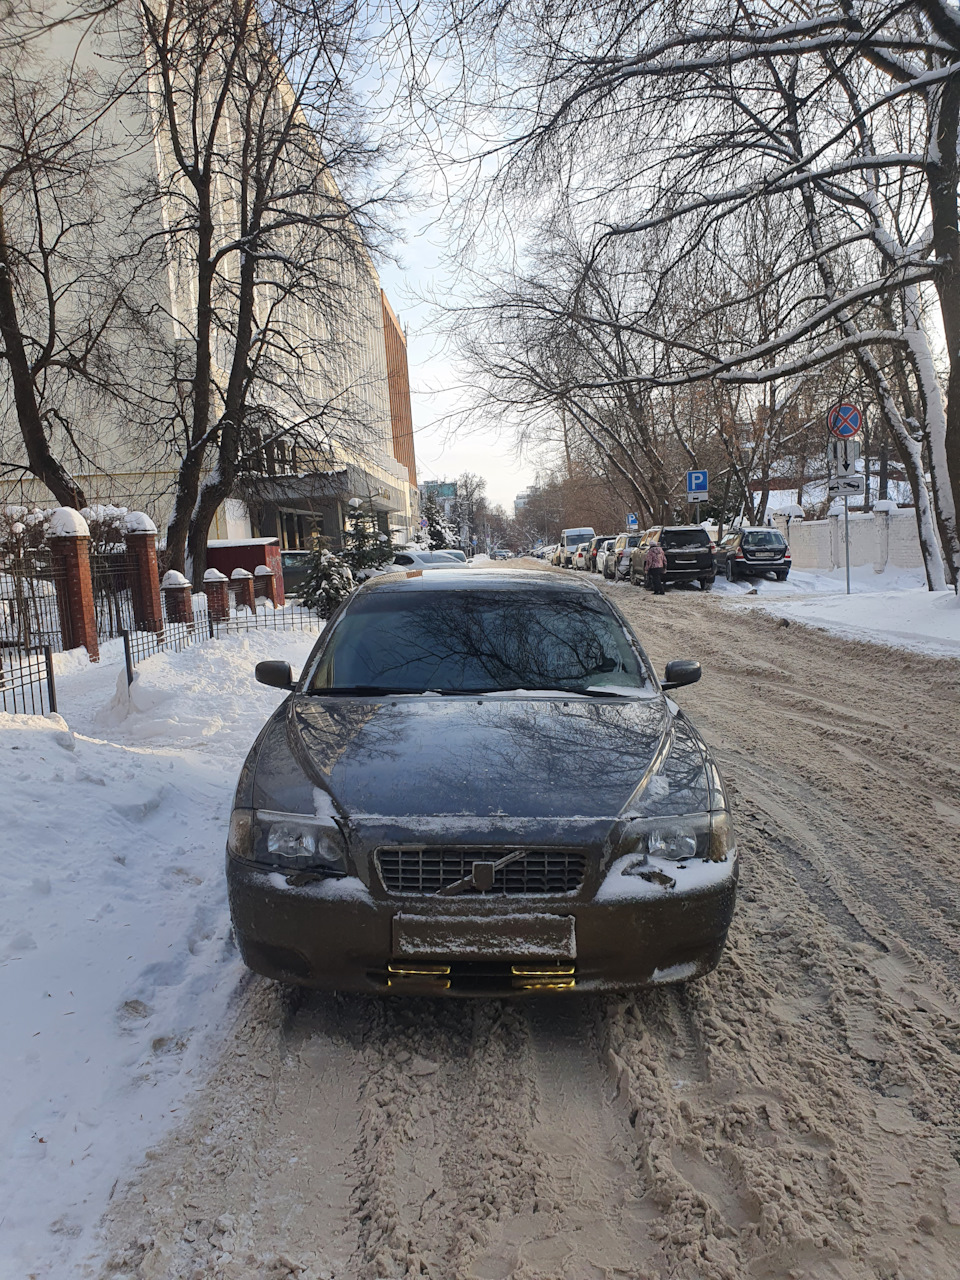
844,422
697,490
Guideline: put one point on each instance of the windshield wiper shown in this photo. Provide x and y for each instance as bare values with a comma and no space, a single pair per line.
365,691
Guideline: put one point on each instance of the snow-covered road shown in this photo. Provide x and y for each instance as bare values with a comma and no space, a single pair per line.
796,1114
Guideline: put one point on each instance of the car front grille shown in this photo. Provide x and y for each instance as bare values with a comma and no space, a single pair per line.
413,872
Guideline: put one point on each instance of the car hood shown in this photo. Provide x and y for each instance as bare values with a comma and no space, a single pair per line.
514,758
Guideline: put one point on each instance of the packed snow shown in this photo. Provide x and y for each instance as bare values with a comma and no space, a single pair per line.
114,932
893,607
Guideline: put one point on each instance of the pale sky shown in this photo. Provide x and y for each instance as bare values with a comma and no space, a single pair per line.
482,448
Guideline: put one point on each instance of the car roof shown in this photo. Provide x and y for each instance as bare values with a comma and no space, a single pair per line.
476,578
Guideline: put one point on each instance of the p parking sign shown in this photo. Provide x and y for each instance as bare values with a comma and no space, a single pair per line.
697,484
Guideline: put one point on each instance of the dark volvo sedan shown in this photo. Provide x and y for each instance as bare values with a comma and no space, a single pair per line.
477,786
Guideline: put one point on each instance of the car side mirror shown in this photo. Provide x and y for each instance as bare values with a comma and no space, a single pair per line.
680,672
277,674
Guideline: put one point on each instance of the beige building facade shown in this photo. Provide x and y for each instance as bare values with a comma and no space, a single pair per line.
336,377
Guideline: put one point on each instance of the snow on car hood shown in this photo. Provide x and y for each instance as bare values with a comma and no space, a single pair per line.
513,758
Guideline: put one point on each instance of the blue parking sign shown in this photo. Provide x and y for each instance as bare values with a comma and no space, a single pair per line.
632,521
697,482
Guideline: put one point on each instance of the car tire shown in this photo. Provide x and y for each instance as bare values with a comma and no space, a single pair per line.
706,584
633,578
782,575
728,569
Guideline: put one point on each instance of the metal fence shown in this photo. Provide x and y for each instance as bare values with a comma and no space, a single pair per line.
31,592
27,685
112,575
175,636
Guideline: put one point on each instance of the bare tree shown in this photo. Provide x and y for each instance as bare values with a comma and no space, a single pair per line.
69,311
259,138
839,127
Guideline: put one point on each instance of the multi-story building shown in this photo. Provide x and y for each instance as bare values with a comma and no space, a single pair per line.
339,385
445,492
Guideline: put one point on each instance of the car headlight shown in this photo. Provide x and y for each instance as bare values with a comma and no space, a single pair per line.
695,835
286,841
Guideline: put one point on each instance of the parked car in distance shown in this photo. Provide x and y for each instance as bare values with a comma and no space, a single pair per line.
456,553
594,551
601,554
616,562
749,551
570,539
294,567
479,872
689,554
581,557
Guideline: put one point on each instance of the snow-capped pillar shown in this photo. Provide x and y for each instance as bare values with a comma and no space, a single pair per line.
177,597
216,585
69,539
242,580
266,580
140,534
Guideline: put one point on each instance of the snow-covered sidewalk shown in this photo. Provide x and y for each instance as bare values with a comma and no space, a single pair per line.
116,966
892,608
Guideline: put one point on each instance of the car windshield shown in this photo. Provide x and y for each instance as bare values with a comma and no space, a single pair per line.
684,538
574,539
478,642
763,538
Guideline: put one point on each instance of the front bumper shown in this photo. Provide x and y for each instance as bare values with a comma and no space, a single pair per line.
299,933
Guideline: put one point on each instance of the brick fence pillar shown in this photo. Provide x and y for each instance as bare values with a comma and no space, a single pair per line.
215,584
242,580
263,573
69,539
141,540
177,601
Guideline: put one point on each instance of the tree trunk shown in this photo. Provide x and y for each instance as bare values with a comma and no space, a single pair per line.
190,474
41,461
943,175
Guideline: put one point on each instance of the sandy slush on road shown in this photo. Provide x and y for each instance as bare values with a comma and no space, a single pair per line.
796,1114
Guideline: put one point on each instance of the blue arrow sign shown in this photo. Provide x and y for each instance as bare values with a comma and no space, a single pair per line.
697,482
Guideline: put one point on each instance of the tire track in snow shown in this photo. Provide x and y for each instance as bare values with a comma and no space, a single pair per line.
588,1218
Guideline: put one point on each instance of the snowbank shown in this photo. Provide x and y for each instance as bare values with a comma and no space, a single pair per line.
921,620
117,965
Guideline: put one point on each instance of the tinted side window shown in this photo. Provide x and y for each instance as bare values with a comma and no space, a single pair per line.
401,559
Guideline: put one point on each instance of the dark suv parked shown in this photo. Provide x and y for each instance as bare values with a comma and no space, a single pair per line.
689,553
751,551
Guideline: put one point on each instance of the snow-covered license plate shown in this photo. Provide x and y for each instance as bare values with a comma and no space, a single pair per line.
485,937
